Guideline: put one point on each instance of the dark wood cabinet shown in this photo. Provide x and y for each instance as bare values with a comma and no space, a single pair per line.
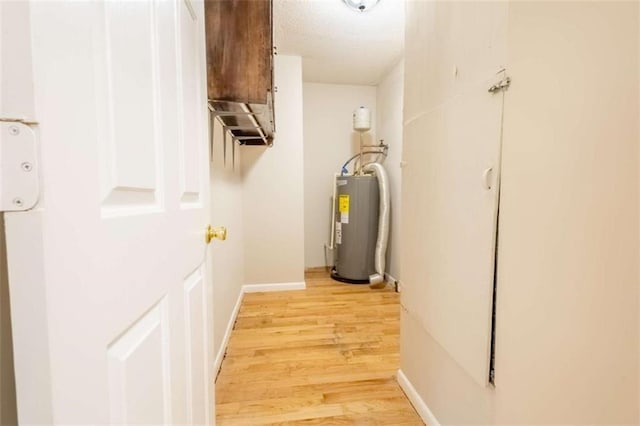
240,52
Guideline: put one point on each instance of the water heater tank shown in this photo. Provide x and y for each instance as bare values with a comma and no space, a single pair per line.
362,119
356,218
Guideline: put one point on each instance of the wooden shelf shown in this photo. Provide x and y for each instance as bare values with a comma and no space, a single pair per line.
240,68
248,124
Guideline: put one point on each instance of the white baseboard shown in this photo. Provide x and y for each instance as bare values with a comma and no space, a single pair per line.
391,281
227,333
421,407
255,288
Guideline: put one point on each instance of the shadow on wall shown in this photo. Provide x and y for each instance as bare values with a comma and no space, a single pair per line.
8,414
251,155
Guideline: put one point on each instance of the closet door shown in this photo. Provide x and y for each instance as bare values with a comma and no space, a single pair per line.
451,177
109,291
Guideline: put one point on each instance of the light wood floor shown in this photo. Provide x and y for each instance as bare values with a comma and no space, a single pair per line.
326,355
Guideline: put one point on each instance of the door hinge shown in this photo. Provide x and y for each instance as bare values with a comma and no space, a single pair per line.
501,85
19,171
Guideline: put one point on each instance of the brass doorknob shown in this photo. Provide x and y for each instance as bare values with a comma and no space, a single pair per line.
219,232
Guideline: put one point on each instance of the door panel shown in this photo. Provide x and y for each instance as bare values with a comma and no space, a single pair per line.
138,371
121,331
131,91
450,184
129,107
196,344
451,281
189,59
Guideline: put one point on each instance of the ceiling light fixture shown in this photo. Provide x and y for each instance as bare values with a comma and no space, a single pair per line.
361,5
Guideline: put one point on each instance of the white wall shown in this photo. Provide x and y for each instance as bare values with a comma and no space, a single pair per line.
567,298
389,127
575,261
226,258
329,140
273,205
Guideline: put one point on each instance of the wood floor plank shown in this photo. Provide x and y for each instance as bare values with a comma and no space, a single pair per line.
326,355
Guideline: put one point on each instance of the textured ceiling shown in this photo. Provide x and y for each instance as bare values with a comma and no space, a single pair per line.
337,44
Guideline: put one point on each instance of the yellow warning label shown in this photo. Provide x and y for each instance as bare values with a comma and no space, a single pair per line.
343,204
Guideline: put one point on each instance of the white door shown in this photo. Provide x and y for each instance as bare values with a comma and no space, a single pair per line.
110,302
450,184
